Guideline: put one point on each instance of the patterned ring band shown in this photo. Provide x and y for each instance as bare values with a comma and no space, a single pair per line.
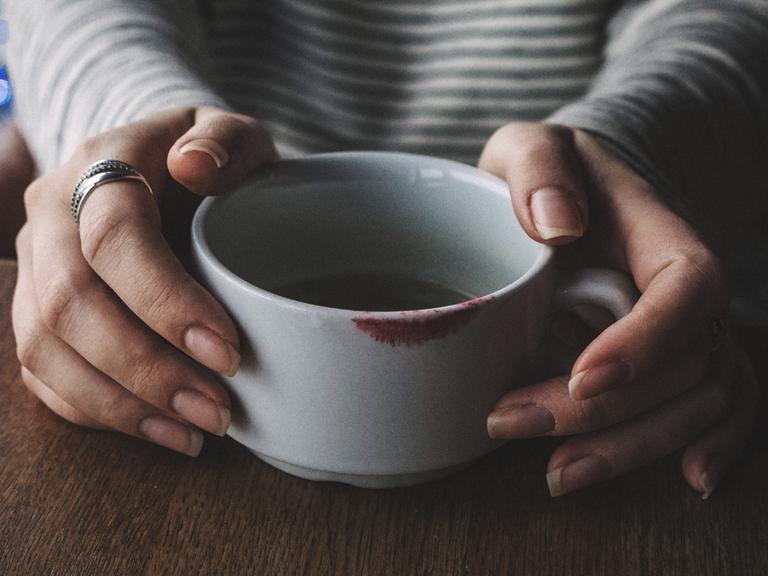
97,174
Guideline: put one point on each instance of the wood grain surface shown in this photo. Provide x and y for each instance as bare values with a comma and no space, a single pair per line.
77,502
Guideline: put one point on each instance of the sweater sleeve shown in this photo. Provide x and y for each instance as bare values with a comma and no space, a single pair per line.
80,67
683,99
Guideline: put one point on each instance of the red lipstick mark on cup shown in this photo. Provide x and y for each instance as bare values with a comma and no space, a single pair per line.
415,327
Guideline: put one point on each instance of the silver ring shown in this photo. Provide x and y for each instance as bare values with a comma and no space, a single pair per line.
98,174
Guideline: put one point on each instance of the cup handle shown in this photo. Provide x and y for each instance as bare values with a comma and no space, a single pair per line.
601,287
608,289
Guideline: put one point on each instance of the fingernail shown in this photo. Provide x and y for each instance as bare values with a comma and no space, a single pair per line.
210,147
578,474
171,434
594,381
520,422
707,484
555,214
212,350
201,411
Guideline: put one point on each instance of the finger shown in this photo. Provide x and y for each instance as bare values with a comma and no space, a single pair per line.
708,458
76,390
77,307
121,239
547,408
545,179
219,151
56,404
157,428
129,253
679,304
25,339
682,284
597,456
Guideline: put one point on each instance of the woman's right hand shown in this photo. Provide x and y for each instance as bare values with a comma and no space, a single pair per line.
111,330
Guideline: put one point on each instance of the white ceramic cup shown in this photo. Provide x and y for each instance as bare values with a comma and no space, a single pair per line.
380,399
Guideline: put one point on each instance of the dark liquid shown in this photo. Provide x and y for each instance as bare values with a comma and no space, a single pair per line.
374,292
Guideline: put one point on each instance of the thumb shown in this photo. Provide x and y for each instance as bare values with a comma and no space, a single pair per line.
218,151
541,167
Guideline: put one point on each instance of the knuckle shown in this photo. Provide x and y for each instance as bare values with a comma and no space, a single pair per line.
60,298
249,132
710,273
147,375
54,403
259,131
593,413
239,122
111,409
28,347
233,126
508,135
526,144
160,297
540,150
87,150
103,236
493,142
73,416
32,195
70,413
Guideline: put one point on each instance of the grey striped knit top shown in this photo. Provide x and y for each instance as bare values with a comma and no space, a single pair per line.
678,88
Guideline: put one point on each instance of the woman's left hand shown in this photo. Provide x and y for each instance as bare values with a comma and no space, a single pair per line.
651,382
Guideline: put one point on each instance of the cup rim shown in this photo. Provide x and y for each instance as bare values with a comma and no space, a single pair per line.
202,251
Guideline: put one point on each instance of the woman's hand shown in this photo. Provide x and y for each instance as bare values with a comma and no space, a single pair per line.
111,331
650,383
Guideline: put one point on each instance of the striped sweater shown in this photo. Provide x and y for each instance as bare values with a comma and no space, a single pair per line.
677,88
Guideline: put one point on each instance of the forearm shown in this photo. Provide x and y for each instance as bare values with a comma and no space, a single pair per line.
80,67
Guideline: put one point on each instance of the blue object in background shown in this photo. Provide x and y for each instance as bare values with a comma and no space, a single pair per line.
6,94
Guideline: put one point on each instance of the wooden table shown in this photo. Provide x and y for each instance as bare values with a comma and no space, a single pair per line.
76,502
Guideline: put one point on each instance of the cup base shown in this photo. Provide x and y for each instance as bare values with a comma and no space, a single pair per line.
362,480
